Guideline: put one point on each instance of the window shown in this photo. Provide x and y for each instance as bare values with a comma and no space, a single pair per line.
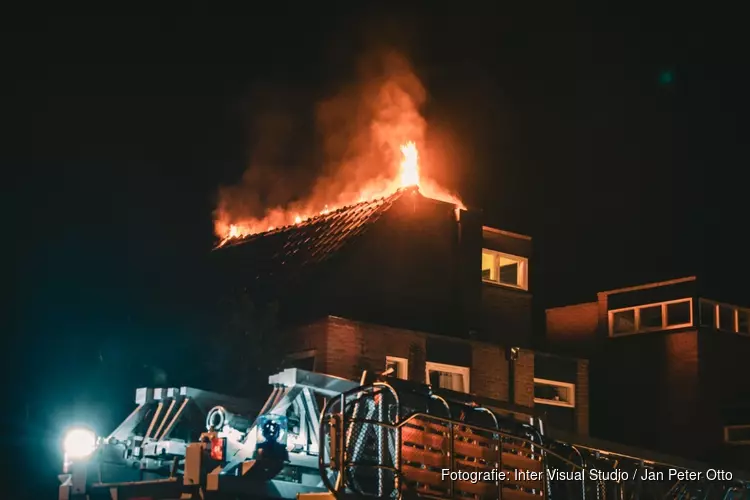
550,392
304,360
708,313
650,317
725,317
743,321
737,434
400,367
455,378
680,313
623,321
505,269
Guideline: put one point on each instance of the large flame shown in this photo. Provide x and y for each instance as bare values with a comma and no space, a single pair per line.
408,176
410,165
372,134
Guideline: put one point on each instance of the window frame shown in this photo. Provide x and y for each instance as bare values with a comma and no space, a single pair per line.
727,428
523,264
300,355
664,317
717,316
403,364
455,369
556,383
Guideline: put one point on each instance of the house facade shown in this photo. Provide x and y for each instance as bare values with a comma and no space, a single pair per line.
667,367
416,286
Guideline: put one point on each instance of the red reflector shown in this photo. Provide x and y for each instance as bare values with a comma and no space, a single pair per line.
218,446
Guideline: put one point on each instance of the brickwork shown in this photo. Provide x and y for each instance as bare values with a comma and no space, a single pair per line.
489,372
524,380
345,348
582,397
574,323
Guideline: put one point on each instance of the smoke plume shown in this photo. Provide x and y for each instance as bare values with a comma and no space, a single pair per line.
360,131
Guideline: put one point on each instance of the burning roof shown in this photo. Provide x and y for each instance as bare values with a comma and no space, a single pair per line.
371,195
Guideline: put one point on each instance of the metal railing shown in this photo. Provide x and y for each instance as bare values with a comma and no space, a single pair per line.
378,445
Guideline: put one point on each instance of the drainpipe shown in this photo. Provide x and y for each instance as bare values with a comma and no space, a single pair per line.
511,355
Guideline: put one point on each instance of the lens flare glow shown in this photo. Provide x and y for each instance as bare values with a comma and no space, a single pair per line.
79,443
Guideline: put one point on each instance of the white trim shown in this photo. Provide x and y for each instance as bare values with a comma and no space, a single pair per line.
551,402
727,428
403,365
523,264
459,370
637,314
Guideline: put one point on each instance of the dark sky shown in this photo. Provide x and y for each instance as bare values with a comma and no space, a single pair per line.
615,140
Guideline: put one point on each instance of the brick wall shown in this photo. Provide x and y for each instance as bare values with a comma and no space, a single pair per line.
344,348
575,323
524,380
490,371
582,397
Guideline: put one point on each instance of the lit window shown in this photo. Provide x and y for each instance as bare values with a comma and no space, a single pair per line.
400,367
650,317
505,269
737,434
455,378
550,392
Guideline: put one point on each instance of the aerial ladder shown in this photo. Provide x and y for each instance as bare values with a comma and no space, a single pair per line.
319,437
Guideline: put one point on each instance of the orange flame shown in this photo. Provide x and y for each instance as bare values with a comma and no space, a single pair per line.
409,176
409,165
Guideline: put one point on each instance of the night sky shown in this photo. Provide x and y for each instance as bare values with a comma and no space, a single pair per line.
617,142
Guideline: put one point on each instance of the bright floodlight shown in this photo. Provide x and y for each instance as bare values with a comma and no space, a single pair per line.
79,443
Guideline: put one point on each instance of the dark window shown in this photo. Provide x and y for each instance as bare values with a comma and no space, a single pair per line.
623,322
307,363
708,314
743,321
678,313
650,317
735,434
726,318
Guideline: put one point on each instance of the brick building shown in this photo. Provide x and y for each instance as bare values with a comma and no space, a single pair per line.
416,285
667,367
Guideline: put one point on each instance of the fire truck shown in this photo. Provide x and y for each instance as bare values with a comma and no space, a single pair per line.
324,437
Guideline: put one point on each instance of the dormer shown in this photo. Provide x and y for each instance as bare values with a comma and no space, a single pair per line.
506,297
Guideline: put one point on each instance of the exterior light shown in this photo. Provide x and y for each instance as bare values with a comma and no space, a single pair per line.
79,443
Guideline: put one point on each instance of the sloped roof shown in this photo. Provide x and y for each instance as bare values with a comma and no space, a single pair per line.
289,251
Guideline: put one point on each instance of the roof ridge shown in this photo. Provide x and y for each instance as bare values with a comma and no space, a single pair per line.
315,219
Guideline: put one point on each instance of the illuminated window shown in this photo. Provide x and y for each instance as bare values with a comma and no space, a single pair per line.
737,434
505,269
455,378
400,367
651,317
550,392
